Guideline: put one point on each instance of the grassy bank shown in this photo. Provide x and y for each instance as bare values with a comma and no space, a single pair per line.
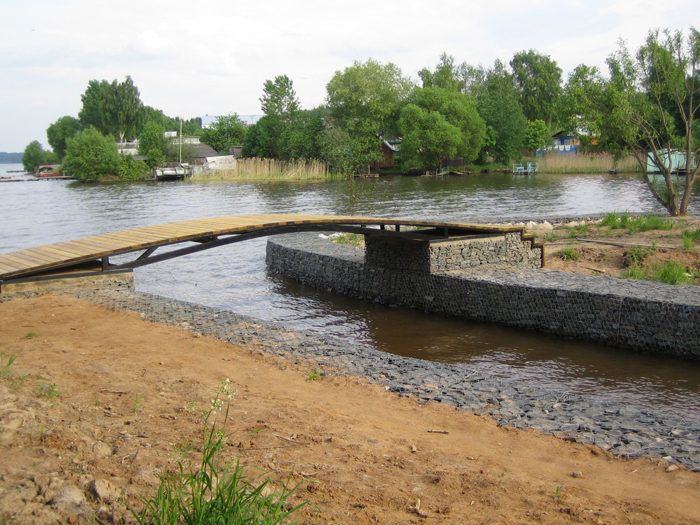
586,163
272,169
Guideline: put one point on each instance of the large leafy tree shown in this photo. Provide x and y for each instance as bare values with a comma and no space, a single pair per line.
224,132
281,107
301,137
61,130
539,81
365,101
113,108
650,103
440,124
499,105
447,75
34,155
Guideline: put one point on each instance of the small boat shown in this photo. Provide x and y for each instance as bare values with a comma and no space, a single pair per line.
46,171
175,173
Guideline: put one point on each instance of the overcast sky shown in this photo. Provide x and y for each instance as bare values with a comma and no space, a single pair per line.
193,58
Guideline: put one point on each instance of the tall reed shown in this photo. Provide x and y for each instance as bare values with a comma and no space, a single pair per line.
271,169
586,163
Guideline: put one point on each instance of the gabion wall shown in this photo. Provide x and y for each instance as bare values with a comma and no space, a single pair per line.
633,314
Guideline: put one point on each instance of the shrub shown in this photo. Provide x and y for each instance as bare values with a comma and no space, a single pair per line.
90,156
131,169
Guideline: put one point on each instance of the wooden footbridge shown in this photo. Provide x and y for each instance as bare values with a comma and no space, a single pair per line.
91,255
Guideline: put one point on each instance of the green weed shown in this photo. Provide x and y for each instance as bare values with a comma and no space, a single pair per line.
47,391
316,374
649,222
353,239
636,255
138,403
31,335
557,492
687,240
214,492
5,366
569,254
672,272
638,224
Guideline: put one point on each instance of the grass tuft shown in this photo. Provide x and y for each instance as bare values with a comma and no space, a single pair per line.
214,492
569,254
5,366
672,272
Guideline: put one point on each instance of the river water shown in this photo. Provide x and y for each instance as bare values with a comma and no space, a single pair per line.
235,278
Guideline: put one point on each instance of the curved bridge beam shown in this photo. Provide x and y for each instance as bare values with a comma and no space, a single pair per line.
89,255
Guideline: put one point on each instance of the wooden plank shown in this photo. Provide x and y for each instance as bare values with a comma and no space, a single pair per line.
91,242
19,261
123,240
84,249
133,234
33,258
6,266
35,253
60,252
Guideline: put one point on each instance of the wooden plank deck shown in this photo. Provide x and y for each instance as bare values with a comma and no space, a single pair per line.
67,253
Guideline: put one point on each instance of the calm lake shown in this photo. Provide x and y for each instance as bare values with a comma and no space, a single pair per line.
235,278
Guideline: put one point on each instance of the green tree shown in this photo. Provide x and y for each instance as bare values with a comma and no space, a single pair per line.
190,127
301,137
224,132
336,151
280,104
258,141
447,75
365,101
538,79
61,130
536,135
90,156
154,145
441,124
113,108
498,104
34,155
632,105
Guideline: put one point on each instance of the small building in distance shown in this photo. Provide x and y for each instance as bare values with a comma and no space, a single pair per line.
564,143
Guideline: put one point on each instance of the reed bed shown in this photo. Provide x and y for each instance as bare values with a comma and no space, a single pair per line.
270,169
587,163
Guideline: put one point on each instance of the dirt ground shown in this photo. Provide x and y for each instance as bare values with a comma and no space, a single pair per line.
603,251
98,404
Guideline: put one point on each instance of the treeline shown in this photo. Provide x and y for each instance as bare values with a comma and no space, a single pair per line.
648,102
110,112
454,111
647,106
10,158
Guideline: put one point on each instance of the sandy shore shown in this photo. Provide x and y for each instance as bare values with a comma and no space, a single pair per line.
98,404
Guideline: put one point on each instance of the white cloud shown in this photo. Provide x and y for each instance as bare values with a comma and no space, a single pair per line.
151,44
212,57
